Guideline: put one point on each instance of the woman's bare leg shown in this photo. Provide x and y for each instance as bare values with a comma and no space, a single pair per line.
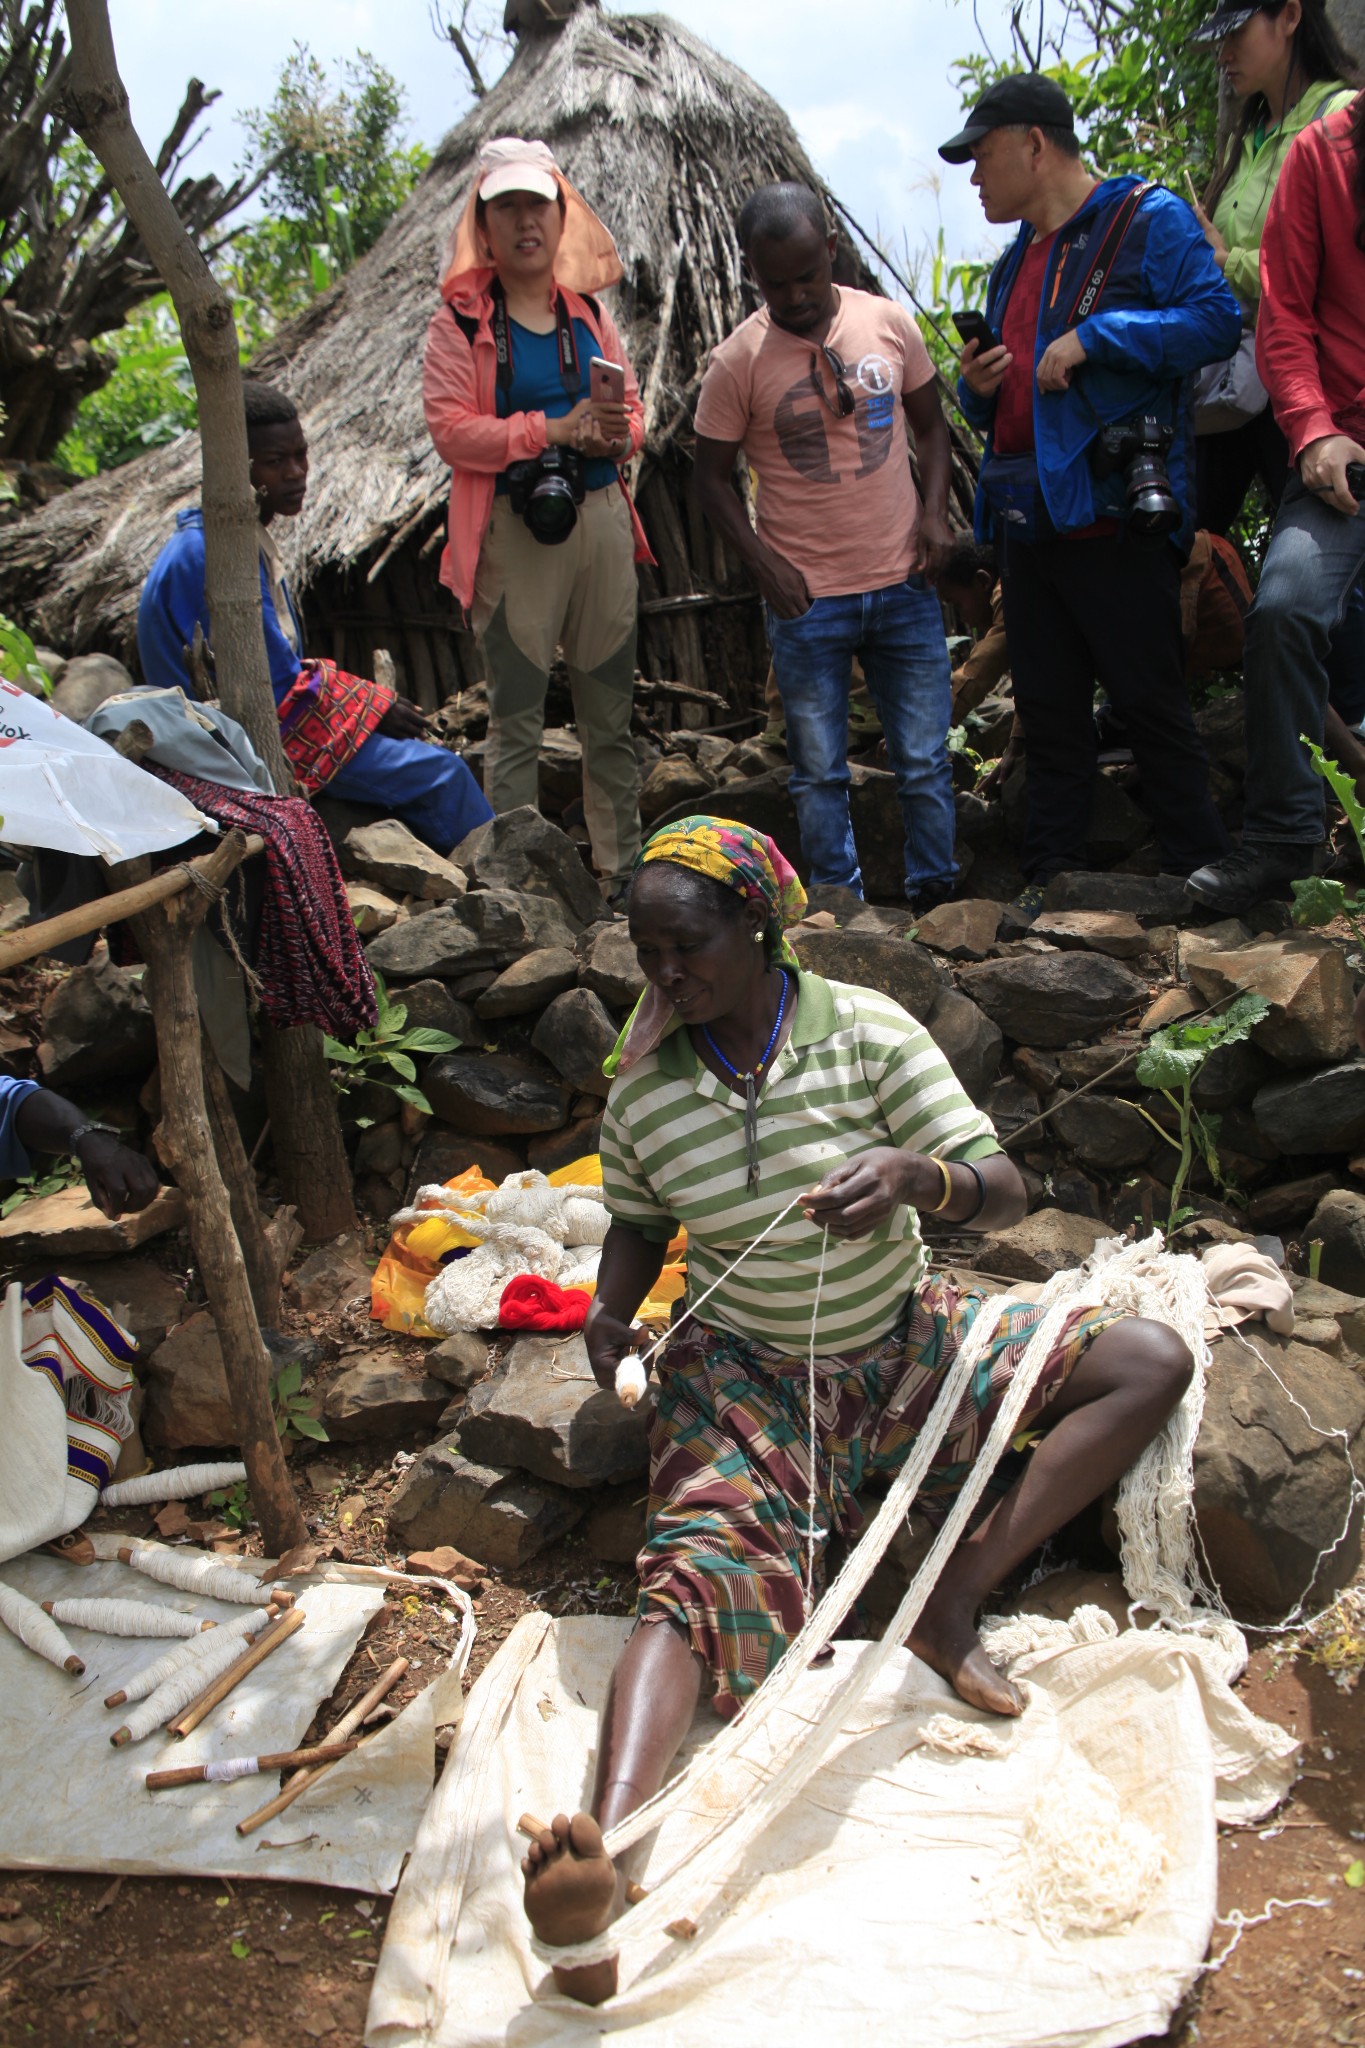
571,1882
1120,1394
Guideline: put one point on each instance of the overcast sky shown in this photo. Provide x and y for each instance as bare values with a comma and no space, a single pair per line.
869,90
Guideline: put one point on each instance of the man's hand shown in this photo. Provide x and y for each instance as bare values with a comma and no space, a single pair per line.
865,1192
117,1177
1322,466
933,544
783,585
607,1340
1060,358
403,721
983,373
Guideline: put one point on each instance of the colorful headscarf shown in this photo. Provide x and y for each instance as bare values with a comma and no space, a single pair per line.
723,850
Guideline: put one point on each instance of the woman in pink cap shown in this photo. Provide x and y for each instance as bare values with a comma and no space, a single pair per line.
543,537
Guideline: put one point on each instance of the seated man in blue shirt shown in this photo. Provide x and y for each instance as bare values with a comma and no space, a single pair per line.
32,1118
356,739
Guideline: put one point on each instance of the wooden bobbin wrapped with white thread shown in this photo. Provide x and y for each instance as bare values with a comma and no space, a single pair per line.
189,1653
631,1380
204,1576
184,1685
37,1631
125,1617
180,1482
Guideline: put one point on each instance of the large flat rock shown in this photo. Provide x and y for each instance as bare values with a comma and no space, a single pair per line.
1052,999
496,1094
894,966
1304,979
381,1398
393,858
1047,1242
68,1225
1321,1111
490,928
542,1410
523,852
500,1517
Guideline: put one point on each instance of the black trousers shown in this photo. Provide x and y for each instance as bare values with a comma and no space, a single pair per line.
1106,611
1226,466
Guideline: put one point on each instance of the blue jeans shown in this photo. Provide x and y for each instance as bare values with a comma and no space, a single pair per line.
1315,556
898,635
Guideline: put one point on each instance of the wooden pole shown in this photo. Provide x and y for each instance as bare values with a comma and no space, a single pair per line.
305,1128
52,932
263,1271
344,1729
185,1142
199,1708
279,1760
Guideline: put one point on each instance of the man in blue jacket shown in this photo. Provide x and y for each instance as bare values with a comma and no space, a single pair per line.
1104,303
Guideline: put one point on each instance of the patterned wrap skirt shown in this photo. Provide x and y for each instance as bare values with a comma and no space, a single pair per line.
725,1542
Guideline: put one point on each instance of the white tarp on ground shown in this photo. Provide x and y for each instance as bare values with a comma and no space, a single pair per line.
71,1802
63,789
898,1897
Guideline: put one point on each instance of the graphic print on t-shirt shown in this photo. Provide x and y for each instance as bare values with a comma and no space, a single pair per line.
804,423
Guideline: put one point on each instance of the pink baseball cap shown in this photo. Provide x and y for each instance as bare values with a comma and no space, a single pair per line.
512,165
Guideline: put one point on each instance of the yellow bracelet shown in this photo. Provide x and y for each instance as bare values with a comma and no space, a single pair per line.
939,1207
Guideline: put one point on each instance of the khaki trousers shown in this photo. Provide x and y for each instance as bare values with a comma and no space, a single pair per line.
530,600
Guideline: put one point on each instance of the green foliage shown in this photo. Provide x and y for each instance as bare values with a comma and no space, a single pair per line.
293,1413
64,1174
1170,1061
383,1052
1319,899
233,1503
148,401
19,658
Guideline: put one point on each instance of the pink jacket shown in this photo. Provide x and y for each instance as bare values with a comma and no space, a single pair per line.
459,386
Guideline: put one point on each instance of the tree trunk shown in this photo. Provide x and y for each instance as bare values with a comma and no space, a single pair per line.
306,1131
185,1141
262,1271
303,1104
98,105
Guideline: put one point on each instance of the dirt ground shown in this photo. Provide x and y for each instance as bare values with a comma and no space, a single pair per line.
149,1963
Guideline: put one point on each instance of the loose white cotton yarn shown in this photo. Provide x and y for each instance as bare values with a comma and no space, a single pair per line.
467,1294
192,1652
37,1631
1148,1283
572,1214
180,1482
126,1618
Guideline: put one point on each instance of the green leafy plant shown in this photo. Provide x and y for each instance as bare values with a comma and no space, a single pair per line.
1319,899
233,1504
148,402
64,1174
293,1415
384,1050
1170,1062
19,661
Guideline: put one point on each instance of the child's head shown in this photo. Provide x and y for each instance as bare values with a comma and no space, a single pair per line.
967,582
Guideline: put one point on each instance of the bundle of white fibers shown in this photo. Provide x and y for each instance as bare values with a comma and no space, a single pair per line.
126,1618
183,1686
191,1654
205,1576
25,1619
631,1380
181,1482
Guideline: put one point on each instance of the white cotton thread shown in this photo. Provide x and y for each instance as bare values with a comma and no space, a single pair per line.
1239,1922
192,1652
181,1482
813,1447
1149,1285
184,1685
232,1767
631,1380
37,1631
192,1573
126,1618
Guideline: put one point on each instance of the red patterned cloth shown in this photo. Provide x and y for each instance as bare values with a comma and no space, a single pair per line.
530,1303
326,716
310,963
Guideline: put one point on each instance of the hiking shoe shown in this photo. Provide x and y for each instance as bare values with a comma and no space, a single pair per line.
929,895
1029,902
1250,874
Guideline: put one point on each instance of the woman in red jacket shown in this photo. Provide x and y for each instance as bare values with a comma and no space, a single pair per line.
543,537
1310,351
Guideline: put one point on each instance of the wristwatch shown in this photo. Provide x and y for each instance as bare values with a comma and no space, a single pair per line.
84,1130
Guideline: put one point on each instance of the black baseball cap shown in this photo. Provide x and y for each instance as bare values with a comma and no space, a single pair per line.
1025,100
1225,21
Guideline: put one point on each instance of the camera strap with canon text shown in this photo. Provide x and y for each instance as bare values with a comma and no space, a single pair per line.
570,374
1115,234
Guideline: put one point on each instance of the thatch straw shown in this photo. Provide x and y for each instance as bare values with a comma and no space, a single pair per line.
666,139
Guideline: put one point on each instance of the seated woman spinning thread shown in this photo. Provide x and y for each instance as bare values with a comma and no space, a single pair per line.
741,1082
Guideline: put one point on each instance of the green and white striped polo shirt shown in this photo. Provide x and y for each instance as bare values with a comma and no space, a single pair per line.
857,1072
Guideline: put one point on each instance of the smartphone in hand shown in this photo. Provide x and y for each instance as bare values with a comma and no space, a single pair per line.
606,382
973,326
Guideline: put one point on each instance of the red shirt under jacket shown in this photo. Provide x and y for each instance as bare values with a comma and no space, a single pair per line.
1310,336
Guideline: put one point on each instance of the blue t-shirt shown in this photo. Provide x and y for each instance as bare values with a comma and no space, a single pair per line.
14,1160
538,387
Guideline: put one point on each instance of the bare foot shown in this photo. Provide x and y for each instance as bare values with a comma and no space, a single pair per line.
570,1891
946,1640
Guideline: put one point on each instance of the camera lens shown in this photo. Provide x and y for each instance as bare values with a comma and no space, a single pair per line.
1152,508
551,512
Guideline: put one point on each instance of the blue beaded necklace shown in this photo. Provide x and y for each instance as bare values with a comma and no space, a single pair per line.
750,1081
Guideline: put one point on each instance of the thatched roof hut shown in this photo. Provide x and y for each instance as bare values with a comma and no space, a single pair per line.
665,138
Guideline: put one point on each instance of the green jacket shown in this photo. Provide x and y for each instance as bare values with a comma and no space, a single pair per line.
1240,213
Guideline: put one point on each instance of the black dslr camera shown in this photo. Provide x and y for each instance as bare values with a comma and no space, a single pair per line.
546,491
1139,448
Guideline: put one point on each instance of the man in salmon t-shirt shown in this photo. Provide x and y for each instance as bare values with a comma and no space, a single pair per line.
816,388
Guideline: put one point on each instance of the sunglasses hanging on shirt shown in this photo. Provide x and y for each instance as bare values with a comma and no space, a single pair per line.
843,402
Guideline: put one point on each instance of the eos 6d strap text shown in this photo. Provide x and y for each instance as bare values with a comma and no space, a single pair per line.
570,374
1110,243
